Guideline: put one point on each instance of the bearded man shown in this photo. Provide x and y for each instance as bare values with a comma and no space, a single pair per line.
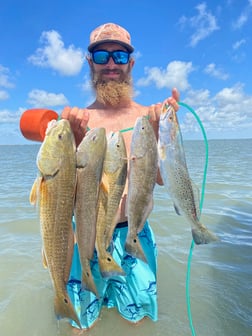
133,294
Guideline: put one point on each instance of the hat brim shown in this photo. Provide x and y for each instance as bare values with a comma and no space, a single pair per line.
125,45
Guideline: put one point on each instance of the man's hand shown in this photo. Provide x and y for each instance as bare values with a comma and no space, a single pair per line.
173,100
78,119
155,109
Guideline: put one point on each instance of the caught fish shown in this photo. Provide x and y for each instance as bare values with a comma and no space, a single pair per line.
54,191
114,179
175,175
90,157
107,264
143,166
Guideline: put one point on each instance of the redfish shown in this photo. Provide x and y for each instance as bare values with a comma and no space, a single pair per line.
54,190
143,166
90,157
114,179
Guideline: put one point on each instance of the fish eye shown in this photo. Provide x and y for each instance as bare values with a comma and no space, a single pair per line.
60,136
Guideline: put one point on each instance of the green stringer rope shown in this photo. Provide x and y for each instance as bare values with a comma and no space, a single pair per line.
201,205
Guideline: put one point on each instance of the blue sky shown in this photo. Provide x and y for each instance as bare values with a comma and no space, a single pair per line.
204,48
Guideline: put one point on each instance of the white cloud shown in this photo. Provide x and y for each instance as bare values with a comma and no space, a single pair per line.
229,110
214,72
5,82
175,75
204,24
238,44
10,117
231,95
53,54
243,17
42,98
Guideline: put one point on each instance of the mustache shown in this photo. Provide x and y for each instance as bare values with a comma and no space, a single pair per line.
97,76
108,71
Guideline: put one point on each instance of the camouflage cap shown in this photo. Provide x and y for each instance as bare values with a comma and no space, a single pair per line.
110,32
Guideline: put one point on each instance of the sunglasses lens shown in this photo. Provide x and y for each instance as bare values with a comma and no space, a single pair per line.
120,57
102,56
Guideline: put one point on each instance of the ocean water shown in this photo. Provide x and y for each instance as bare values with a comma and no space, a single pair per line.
220,273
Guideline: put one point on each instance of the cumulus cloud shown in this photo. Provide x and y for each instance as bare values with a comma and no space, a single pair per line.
211,70
230,95
10,117
229,110
175,75
42,98
203,24
53,54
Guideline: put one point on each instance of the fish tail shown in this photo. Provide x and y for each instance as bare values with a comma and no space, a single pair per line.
134,248
109,267
64,309
202,235
88,281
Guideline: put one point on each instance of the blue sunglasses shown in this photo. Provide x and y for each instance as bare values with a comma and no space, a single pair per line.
103,56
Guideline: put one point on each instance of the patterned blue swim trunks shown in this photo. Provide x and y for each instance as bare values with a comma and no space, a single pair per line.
134,295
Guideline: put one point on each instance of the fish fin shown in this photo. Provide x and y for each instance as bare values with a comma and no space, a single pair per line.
63,308
176,209
35,190
108,266
44,260
105,183
134,248
202,235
